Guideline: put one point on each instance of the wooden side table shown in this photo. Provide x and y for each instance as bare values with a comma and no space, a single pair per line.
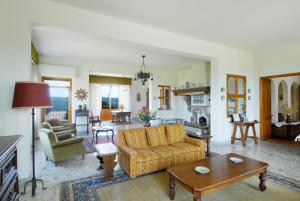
244,136
107,154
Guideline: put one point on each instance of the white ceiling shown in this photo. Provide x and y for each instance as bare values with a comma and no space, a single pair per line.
244,24
56,42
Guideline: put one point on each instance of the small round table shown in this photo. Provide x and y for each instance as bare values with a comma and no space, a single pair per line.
99,129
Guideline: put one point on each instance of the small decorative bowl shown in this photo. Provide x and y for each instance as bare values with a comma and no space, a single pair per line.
201,169
236,159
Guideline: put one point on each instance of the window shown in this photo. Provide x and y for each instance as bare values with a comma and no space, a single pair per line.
110,97
60,93
164,97
236,94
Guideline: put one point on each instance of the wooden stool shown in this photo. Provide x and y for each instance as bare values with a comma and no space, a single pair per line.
107,154
244,136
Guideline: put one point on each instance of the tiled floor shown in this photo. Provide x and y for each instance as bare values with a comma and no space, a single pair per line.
284,159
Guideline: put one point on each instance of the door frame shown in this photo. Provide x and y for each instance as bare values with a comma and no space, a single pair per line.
262,135
43,78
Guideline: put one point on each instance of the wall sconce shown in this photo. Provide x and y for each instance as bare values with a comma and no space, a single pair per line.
249,91
223,91
249,97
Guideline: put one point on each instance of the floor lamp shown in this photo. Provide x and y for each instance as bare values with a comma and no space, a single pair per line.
32,95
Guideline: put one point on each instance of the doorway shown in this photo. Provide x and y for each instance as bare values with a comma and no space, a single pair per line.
278,100
61,96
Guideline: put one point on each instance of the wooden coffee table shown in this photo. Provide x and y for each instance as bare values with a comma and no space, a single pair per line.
223,172
107,154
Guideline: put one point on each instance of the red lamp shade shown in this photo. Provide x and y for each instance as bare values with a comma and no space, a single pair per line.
31,95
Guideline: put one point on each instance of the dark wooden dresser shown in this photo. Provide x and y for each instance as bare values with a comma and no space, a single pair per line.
9,185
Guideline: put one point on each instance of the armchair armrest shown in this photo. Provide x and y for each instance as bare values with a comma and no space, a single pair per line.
128,151
67,142
69,131
194,141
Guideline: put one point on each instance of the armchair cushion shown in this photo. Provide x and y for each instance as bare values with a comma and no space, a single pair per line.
136,138
175,133
156,136
67,142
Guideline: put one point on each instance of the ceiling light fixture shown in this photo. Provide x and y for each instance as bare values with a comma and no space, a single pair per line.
143,75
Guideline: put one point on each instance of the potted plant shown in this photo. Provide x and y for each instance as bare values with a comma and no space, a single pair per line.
146,116
122,107
288,111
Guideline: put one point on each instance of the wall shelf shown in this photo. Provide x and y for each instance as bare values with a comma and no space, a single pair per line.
191,91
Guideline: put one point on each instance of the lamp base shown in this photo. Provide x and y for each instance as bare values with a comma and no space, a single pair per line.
33,186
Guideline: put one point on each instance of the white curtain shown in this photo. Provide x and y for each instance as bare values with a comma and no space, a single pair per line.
124,96
95,99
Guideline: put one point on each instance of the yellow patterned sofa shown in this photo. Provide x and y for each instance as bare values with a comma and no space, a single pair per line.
145,150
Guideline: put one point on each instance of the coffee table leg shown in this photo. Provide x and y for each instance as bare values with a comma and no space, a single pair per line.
262,180
112,137
172,185
197,196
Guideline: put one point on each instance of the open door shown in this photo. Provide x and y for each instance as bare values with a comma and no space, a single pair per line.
265,109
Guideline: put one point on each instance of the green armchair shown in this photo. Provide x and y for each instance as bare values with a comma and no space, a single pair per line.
56,150
58,126
61,133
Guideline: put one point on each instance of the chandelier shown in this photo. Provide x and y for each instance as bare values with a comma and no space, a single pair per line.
143,75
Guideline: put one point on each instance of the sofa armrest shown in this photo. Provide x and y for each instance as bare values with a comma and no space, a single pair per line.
194,141
128,151
67,142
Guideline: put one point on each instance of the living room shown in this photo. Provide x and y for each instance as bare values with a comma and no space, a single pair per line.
207,56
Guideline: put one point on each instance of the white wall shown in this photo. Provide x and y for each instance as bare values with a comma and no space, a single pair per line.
198,74
18,16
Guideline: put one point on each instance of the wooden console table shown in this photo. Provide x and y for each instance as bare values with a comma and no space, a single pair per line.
244,136
9,183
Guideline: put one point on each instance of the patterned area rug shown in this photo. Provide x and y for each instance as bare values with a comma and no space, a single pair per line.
95,188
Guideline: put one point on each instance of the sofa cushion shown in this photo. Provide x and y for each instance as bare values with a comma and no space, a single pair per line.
136,138
186,147
144,155
166,151
175,133
156,136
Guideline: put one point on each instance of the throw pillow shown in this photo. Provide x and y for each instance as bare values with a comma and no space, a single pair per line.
156,136
136,138
175,133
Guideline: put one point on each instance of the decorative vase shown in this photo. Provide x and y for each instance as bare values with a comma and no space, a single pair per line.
288,119
147,124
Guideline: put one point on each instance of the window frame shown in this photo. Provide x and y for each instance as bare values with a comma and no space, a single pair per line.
43,111
162,98
236,95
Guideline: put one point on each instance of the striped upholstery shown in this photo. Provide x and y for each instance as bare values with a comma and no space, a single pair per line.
137,161
136,138
175,133
156,136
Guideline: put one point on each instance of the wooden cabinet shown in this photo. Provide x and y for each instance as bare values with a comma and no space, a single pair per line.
9,185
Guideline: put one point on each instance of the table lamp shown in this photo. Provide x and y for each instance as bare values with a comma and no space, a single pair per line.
32,95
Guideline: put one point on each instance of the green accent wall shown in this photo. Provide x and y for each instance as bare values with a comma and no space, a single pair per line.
109,80
34,55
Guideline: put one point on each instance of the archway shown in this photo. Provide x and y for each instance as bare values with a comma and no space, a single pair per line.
295,101
282,99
